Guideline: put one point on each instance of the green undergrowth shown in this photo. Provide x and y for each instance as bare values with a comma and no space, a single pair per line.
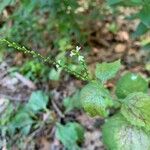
55,30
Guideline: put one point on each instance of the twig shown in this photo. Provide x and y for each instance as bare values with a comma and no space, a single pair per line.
25,81
58,110
13,98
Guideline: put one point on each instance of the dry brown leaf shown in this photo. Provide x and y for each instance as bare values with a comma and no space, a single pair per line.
120,48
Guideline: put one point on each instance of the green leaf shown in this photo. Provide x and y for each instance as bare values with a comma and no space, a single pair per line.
113,27
107,71
128,3
137,1
146,47
55,74
21,121
147,66
26,130
64,44
37,101
130,83
29,6
70,134
3,4
145,15
4,103
113,2
80,131
72,102
95,99
140,30
118,134
6,113
135,109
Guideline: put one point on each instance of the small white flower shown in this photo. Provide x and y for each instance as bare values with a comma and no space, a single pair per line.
59,61
78,48
134,77
72,54
57,66
80,58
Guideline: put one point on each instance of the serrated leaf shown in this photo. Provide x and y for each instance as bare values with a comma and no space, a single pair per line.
72,102
118,134
130,83
135,109
106,71
37,101
70,134
95,99
21,121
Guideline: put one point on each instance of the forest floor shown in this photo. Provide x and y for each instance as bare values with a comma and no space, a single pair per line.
105,46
